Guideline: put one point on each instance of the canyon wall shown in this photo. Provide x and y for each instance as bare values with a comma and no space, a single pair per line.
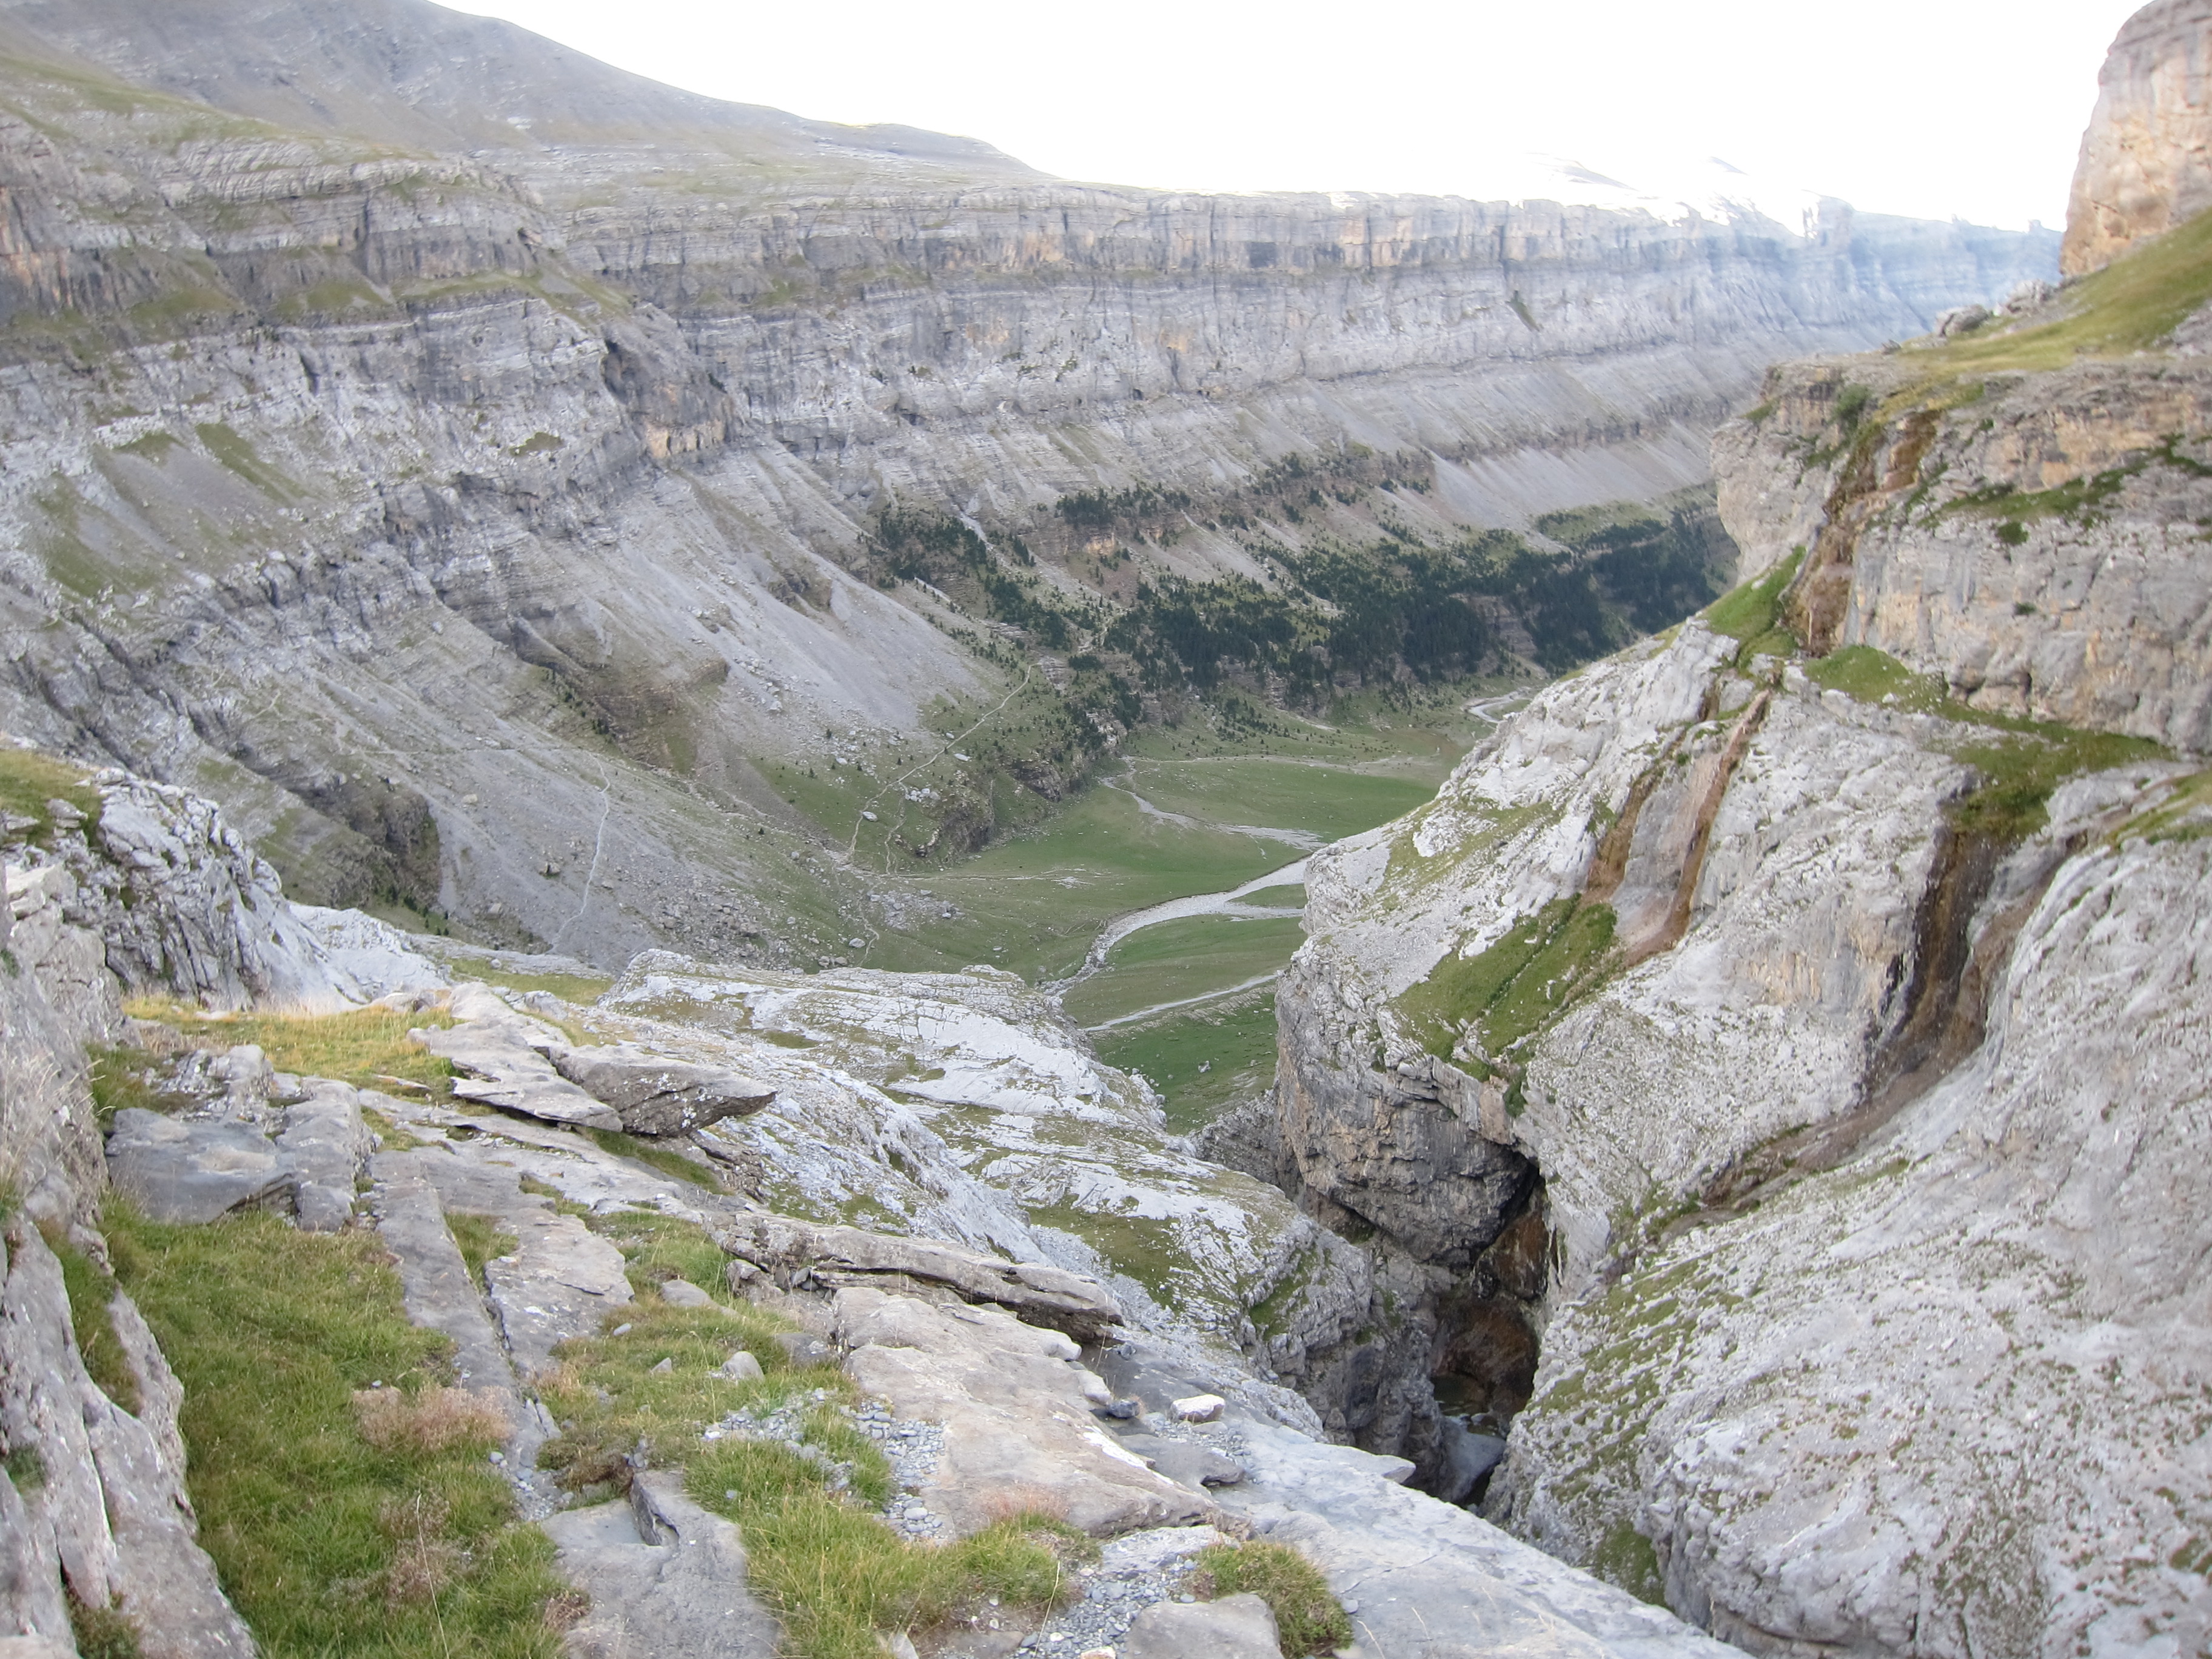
462,460
1815,992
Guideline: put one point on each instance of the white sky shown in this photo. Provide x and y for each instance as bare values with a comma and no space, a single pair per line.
1938,108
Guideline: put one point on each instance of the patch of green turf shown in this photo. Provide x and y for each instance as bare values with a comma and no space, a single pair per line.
1309,1619
1195,957
368,1047
330,1548
1234,1037
29,780
659,1248
1752,612
1148,1249
2021,762
1861,672
609,1395
122,1077
479,1239
838,1576
1518,985
2131,305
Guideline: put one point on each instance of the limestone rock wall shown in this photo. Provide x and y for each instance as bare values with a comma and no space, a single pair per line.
2036,547
94,1493
1833,975
2146,161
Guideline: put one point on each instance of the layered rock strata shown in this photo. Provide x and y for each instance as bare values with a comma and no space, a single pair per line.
381,494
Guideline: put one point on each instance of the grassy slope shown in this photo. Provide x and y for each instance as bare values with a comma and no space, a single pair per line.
329,1547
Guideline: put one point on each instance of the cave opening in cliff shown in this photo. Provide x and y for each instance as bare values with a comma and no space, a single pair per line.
1482,1359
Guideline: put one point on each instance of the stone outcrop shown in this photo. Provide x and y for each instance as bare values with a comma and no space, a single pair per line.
181,905
489,511
796,1253
1016,1409
94,1492
57,997
302,1160
2036,548
664,1576
2146,161
655,1096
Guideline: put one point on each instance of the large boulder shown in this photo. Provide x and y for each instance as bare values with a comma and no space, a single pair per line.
506,1066
192,1170
655,1096
796,1252
1017,1412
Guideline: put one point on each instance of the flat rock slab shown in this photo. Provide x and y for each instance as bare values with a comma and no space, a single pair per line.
1034,1292
193,1169
1016,1409
1240,1627
667,1578
1433,1580
561,1279
1186,1461
658,1096
324,1144
435,1284
506,1071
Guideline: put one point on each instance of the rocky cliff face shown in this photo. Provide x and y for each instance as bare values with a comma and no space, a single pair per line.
2145,161
471,466
1816,983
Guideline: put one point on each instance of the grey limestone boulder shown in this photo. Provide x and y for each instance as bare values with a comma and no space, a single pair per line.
658,1096
1235,1627
504,1070
1016,1411
193,1169
666,1577
324,1144
801,1251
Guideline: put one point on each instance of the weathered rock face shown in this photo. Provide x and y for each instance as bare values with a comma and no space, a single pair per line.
2036,546
92,1499
94,1493
2146,158
1834,975
403,486
1016,1408
56,996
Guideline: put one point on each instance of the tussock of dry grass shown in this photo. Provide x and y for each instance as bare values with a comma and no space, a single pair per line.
368,1047
438,1418
425,1561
